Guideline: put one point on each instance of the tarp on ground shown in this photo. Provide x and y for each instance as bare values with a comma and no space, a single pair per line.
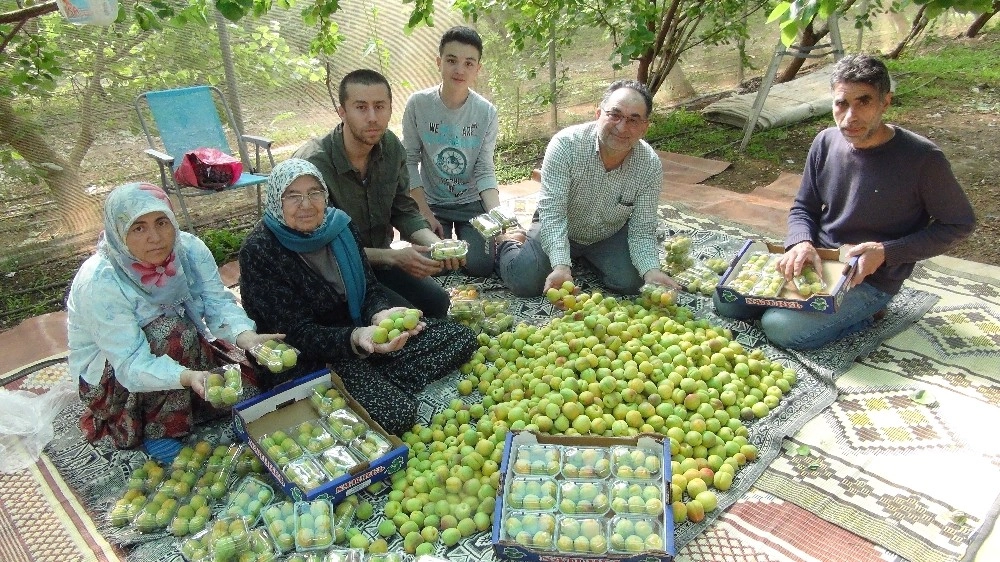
790,102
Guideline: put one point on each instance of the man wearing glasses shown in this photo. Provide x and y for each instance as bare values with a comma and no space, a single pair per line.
364,166
600,187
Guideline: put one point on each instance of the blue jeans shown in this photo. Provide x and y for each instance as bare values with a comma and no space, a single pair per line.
795,329
524,268
479,261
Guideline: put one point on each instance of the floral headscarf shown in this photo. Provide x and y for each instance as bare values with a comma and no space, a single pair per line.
164,285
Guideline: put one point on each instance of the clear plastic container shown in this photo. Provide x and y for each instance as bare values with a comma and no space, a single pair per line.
305,473
345,425
280,447
326,399
632,535
261,547
228,536
504,217
251,496
810,282
586,463
464,292
196,548
156,514
126,508
582,497
313,525
389,557
313,436
498,324
537,460
247,462
279,520
192,514
345,555
192,457
276,356
582,535
465,310
532,530
635,463
304,557
449,249
147,477
486,226
637,498
224,386
223,457
532,493
371,446
337,460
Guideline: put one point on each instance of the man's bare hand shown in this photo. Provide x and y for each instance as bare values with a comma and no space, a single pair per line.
560,274
871,255
657,277
436,227
414,261
792,262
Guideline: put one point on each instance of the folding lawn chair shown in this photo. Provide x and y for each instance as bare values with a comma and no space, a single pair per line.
186,119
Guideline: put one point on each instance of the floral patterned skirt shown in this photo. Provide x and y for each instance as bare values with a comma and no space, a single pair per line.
127,417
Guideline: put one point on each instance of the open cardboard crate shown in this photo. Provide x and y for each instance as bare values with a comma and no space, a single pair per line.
836,274
506,549
288,405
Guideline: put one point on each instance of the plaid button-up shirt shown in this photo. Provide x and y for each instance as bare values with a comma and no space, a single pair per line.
583,202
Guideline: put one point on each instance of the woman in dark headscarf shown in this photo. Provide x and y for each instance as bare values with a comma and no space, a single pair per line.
141,313
303,273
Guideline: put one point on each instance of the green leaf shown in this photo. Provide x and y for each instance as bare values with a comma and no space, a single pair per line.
803,450
779,11
788,34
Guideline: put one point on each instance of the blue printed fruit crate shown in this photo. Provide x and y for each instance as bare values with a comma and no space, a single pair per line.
752,280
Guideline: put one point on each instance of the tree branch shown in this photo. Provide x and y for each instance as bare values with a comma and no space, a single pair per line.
13,32
25,14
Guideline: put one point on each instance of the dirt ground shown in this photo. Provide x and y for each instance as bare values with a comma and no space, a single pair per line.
967,129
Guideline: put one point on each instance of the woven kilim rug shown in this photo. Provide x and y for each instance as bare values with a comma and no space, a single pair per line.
759,524
41,519
917,474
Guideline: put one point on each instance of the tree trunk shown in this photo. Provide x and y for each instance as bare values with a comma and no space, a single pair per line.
232,96
553,75
807,39
919,23
977,25
76,211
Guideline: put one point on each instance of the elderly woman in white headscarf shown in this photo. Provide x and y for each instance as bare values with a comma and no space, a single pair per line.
303,273
141,314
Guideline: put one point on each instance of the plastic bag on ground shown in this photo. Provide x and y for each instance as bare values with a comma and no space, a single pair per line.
26,423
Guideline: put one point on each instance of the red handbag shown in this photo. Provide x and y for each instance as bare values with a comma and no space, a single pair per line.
208,168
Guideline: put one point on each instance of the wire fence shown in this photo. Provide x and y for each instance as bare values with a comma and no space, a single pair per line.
283,94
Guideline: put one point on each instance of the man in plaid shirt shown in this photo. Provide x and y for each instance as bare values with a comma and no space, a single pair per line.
600,187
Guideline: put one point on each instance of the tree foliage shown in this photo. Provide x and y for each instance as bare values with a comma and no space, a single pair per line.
101,70
652,34
793,17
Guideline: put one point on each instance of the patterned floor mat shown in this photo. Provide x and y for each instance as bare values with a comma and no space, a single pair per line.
770,527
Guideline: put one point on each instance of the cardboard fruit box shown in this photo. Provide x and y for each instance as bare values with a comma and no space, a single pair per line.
582,462
836,275
289,405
